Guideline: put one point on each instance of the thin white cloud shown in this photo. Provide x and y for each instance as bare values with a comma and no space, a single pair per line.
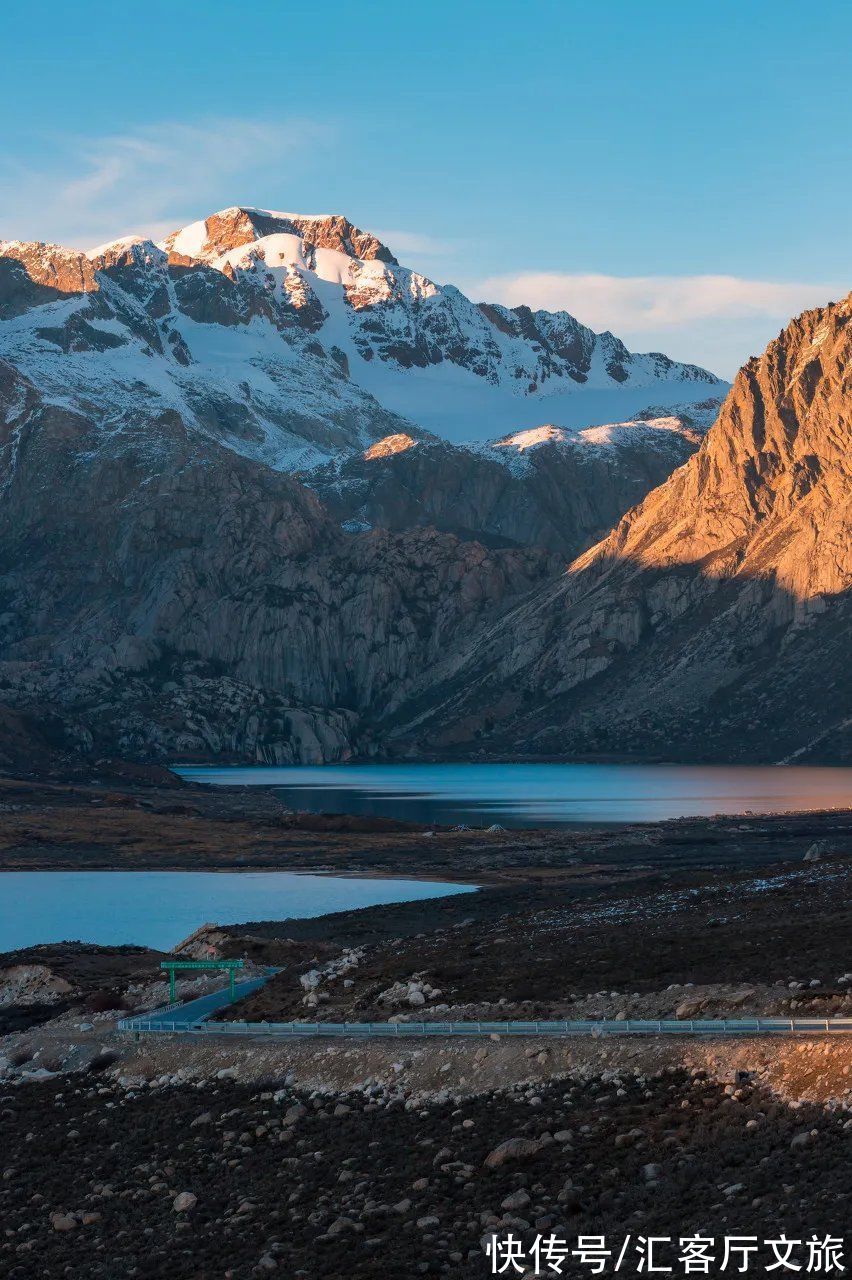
716,321
416,243
144,181
649,303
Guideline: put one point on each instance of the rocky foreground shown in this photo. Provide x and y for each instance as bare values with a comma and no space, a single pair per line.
192,1178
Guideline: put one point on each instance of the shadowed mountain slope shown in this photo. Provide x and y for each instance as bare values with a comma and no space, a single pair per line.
714,621
162,596
546,487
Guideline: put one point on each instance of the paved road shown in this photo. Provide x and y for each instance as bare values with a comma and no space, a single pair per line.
181,1017
194,1018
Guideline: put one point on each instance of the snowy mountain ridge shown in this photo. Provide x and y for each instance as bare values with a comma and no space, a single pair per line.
548,486
291,338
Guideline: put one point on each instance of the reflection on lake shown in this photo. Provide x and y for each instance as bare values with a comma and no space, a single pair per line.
524,795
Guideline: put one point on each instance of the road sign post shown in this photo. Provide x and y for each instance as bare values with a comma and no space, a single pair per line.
230,965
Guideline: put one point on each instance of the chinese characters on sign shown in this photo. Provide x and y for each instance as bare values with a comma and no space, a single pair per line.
694,1255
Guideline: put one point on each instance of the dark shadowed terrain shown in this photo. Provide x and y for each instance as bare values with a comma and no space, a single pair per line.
292,1185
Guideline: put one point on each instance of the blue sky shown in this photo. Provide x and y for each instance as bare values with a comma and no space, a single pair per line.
678,173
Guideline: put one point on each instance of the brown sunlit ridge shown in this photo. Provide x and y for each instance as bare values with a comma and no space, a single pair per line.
714,618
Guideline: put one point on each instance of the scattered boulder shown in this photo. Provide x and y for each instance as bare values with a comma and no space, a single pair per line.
340,1226
516,1200
739,998
516,1149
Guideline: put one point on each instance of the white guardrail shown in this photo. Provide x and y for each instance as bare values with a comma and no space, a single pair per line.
158,1023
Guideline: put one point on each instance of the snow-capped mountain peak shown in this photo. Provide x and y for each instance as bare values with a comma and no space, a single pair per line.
112,247
523,440
290,337
211,238
424,350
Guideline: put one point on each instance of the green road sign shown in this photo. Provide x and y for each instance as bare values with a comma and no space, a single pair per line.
172,965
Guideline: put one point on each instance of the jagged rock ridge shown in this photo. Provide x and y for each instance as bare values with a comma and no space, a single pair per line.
713,622
239,226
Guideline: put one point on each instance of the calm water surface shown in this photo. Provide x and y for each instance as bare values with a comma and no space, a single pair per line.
159,908
524,795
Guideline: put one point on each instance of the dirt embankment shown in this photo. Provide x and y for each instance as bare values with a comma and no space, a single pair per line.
41,983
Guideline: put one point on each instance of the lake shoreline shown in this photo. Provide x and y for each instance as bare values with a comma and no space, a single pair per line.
91,826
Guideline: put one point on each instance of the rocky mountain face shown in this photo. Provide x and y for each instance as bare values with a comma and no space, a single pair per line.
348,286
714,621
162,596
223,534
212,237
547,487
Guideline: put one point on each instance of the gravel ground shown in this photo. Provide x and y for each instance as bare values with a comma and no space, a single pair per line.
232,1180
704,943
